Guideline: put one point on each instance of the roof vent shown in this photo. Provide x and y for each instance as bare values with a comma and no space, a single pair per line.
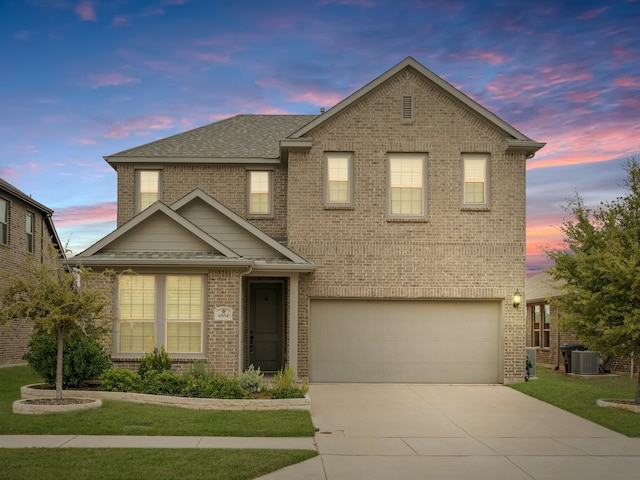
321,109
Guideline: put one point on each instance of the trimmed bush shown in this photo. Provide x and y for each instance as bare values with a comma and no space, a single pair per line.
212,386
163,382
158,360
83,359
120,380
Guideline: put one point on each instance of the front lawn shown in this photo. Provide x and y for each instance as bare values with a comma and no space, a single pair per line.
578,396
124,418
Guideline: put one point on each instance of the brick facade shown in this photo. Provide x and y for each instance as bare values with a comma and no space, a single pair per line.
453,254
15,335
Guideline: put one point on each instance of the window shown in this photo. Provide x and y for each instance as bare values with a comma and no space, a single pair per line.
148,188
161,310
260,198
407,192
338,184
4,222
541,322
30,223
475,192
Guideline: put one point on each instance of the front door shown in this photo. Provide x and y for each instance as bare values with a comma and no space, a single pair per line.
266,326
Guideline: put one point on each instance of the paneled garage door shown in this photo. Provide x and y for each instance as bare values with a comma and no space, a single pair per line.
404,341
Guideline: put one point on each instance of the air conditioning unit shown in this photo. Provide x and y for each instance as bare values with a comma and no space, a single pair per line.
531,356
585,362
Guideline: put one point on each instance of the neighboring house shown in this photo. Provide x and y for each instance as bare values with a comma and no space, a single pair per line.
380,241
26,230
546,335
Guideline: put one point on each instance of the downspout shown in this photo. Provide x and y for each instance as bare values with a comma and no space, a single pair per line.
240,317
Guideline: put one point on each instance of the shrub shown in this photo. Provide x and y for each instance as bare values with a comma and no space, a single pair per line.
212,386
251,379
83,359
158,360
283,385
287,392
120,380
163,382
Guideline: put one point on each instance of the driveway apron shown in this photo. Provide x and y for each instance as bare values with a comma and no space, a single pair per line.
455,432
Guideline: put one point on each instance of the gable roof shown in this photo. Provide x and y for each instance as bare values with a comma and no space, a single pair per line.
241,138
515,139
542,287
108,251
44,210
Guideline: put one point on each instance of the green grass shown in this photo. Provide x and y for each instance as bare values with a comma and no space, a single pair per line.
124,418
579,396
142,464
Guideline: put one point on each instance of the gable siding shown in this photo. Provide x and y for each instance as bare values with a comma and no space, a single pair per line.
158,234
455,254
227,232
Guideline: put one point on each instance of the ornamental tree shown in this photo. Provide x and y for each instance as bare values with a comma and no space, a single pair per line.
60,302
600,264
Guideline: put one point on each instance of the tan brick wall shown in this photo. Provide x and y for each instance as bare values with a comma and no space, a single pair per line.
454,254
15,335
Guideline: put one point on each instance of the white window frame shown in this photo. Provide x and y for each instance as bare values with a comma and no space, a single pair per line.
251,211
480,177
392,181
30,233
140,206
4,223
329,157
160,319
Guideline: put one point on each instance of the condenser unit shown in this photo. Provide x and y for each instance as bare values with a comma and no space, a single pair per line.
585,362
531,356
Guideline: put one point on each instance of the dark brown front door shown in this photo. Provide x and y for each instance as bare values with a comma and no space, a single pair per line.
266,325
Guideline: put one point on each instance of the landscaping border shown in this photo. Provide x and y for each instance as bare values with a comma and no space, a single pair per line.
30,391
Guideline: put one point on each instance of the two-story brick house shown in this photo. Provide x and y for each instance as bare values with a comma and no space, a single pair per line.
26,232
380,241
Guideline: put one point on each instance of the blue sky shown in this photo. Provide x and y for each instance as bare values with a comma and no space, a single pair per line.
89,78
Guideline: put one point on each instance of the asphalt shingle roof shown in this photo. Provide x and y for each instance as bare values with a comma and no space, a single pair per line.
242,136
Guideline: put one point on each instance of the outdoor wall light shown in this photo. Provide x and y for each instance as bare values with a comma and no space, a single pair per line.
517,298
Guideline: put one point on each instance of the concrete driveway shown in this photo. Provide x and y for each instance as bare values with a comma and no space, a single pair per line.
389,431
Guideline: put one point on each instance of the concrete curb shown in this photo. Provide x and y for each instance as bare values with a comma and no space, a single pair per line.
28,391
24,408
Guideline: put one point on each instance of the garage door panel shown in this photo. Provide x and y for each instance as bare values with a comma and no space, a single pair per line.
404,341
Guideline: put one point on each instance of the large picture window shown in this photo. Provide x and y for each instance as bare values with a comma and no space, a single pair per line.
407,179
338,183
161,311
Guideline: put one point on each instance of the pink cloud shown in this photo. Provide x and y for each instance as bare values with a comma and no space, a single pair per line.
560,74
86,11
86,141
627,81
491,57
591,14
213,58
580,97
140,126
111,80
168,68
82,215
321,99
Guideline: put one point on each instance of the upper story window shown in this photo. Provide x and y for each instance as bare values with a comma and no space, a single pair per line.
338,179
407,185
260,192
4,222
30,225
475,192
147,188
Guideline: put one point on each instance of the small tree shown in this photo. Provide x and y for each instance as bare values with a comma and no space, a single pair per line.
601,268
61,303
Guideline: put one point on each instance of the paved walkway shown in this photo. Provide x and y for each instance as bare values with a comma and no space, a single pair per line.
402,432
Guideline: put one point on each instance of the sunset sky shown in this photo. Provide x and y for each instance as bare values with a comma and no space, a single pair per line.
85,79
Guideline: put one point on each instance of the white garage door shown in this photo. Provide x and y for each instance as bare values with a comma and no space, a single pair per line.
404,341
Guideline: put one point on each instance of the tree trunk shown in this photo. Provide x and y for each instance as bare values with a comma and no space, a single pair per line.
59,363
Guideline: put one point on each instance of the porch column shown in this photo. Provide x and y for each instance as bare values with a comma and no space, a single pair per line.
293,322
